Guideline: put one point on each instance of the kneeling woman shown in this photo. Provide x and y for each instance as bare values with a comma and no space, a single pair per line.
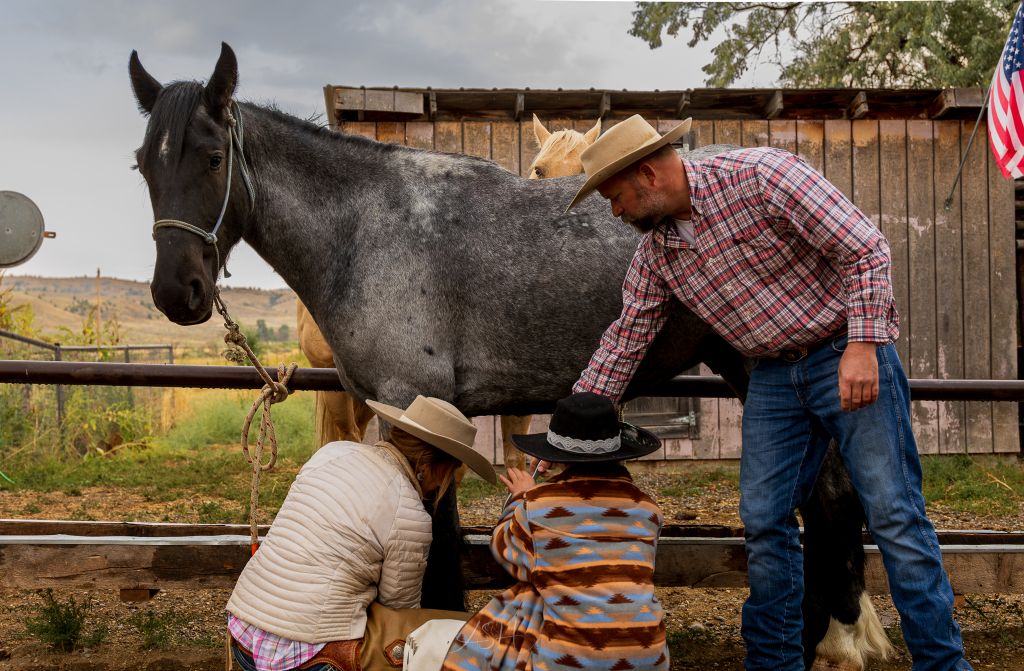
348,545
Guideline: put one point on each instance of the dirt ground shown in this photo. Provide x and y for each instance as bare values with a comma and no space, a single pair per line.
181,629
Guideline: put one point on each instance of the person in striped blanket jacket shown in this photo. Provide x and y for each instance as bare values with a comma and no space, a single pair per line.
581,547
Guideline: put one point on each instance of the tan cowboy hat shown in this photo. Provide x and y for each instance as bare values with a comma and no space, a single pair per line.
439,423
623,144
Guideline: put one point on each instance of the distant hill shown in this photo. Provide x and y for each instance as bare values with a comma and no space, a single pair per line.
66,301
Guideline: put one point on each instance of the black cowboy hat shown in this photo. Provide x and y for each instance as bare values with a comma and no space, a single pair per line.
586,428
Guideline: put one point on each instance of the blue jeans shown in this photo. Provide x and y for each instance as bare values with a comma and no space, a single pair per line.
245,661
791,412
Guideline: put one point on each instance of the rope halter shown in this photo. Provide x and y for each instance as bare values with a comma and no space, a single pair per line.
236,135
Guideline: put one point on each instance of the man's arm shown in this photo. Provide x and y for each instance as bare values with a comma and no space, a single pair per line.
624,343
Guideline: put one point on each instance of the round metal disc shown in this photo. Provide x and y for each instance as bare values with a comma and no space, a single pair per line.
21,229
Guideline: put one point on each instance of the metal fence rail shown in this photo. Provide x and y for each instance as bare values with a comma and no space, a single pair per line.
326,379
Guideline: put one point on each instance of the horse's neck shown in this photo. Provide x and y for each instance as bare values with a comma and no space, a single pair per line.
305,221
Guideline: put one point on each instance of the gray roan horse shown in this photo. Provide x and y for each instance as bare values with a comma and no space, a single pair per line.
424,254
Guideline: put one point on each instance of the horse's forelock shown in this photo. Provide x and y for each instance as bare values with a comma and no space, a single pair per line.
565,141
171,115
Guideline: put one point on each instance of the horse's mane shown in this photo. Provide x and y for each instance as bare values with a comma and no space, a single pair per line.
179,100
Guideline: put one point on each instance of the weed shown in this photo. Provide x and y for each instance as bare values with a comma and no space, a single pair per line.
61,624
155,628
474,489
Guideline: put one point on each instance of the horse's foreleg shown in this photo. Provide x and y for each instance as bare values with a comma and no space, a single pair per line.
442,582
514,425
841,627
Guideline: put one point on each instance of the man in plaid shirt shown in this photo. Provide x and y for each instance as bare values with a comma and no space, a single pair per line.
783,266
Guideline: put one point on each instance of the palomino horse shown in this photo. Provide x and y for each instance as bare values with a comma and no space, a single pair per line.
338,415
412,247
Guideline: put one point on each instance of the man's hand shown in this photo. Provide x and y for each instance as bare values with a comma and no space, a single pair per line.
539,465
858,376
517,481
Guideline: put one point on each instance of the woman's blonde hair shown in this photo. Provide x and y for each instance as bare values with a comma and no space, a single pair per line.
431,465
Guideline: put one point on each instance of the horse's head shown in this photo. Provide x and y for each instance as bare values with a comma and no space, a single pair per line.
185,159
559,154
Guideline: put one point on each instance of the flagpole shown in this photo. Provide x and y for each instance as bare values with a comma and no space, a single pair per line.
948,204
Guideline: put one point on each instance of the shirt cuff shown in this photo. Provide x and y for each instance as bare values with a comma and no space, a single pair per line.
861,329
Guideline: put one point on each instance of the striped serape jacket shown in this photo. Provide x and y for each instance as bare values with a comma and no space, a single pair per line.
582,547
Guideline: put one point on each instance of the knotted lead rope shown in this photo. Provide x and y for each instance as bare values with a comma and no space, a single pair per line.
272,392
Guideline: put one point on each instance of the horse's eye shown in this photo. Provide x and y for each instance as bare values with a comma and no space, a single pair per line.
215,161
539,172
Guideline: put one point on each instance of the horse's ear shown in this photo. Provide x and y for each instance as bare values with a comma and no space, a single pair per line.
145,86
222,82
539,131
592,134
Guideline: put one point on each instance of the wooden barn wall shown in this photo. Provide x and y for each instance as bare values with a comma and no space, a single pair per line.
953,271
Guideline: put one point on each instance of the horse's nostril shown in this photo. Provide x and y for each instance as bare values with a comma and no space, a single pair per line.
196,295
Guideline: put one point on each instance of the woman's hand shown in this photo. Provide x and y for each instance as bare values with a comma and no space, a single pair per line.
517,481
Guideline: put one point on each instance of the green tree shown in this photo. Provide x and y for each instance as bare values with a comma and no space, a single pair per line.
841,44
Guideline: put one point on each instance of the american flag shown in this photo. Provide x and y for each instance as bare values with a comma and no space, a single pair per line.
1006,103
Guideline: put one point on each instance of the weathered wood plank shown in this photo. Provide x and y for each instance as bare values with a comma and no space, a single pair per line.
921,247
488,439
949,283
810,143
893,189
448,136
703,132
754,133
865,155
505,145
708,446
392,132
782,134
839,155
977,291
1003,255
476,139
728,132
697,561
364,128
528,147
419,134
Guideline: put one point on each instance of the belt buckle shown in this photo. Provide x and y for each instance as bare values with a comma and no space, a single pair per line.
793,355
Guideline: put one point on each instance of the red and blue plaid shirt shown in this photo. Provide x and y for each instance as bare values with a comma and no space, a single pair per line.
781,259
271,652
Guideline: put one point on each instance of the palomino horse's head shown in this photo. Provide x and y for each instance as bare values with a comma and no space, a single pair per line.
559,154
185,159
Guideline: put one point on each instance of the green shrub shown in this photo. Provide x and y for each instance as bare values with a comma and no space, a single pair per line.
154,628
61,624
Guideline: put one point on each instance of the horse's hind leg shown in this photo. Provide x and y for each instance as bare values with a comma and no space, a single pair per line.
514,425
841,627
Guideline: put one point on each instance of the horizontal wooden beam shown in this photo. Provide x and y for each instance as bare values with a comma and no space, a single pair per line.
215,561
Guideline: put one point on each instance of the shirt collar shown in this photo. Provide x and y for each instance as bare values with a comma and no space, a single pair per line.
664,233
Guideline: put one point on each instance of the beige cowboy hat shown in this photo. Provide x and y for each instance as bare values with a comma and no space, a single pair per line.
623,144
439,423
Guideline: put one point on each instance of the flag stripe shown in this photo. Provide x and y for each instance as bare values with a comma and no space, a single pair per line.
1006,103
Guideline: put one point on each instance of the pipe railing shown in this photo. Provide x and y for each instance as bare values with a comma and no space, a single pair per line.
326,379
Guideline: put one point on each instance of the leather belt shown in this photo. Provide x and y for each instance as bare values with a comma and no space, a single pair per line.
799,353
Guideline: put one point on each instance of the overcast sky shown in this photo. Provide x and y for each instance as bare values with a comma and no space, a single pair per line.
69,123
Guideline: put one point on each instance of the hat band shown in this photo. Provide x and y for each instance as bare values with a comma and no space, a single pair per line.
583,446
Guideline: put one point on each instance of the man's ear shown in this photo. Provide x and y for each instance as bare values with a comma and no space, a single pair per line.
647,174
